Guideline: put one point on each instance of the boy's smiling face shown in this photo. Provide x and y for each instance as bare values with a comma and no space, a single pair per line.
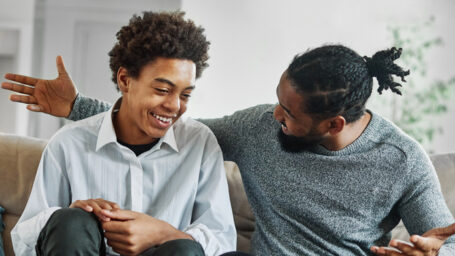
154,100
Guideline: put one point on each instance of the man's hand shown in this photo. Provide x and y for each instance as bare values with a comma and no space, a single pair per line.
55,97
130,233
95,206
426,245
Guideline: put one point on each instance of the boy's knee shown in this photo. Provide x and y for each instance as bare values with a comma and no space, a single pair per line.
180,247
73,218
71,231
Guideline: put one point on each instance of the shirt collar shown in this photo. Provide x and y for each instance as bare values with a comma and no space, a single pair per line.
169,139
107,134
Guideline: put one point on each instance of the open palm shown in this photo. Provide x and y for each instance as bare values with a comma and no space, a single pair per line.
54,97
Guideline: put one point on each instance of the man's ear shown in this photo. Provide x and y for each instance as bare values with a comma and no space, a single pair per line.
123,80
336,125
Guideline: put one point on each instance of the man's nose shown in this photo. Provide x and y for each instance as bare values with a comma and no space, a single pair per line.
278,113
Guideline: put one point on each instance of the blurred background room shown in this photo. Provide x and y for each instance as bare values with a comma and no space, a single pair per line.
253,41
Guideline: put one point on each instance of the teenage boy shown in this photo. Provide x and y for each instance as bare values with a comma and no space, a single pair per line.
146,180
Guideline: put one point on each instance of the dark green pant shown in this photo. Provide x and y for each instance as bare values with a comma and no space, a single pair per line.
77,232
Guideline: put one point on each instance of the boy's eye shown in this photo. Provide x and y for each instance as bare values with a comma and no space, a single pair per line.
162,90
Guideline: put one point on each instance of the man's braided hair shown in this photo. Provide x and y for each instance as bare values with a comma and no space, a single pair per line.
335,80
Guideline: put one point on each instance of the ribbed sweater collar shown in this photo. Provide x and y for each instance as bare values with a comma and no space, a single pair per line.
361,144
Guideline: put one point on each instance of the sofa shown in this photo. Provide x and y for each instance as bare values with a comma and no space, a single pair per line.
19,158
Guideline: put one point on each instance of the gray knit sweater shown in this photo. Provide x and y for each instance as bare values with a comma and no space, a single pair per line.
325,202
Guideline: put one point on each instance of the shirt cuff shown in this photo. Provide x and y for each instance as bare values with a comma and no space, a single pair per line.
205,238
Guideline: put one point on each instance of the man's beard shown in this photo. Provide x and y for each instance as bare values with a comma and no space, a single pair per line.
294,144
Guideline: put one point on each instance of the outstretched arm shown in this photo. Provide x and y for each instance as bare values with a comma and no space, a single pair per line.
57,97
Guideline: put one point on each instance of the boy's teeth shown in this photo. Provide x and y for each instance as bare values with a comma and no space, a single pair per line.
164,119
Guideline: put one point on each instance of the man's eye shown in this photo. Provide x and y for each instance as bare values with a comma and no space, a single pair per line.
288,115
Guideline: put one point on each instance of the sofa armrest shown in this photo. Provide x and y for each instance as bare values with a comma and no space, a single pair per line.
19,159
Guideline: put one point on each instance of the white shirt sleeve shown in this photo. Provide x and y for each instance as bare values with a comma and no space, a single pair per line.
50,191
213,223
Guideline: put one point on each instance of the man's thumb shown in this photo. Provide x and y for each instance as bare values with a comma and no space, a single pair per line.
60,66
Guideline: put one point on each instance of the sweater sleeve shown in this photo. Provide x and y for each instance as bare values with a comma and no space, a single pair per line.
423,206
86,107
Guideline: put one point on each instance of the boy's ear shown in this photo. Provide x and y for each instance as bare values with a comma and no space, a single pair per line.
123,80
336,125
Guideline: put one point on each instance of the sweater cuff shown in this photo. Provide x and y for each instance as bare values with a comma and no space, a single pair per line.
75,111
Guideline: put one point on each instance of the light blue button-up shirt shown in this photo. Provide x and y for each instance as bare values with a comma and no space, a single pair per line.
181,180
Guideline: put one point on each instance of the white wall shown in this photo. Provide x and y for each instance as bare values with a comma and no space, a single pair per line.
7,108
16,30
253,41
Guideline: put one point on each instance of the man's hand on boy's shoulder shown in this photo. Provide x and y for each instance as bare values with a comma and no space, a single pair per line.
130,233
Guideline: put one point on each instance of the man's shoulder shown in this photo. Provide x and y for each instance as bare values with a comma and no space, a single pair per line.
256,111
250,118
390,134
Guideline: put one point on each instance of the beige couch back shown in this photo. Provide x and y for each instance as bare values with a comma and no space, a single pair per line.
19,158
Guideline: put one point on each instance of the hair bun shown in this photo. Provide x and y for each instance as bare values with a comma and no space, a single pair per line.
382,67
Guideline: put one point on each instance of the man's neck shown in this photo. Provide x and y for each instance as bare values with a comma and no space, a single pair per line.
348,135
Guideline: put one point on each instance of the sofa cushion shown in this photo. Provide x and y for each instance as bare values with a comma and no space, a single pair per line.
243,216
445,167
